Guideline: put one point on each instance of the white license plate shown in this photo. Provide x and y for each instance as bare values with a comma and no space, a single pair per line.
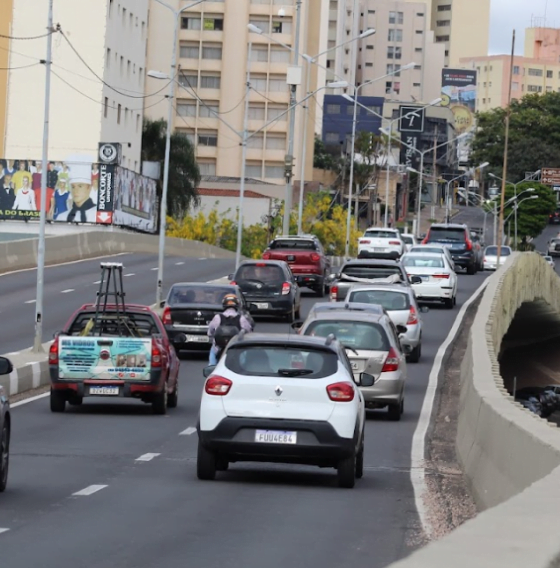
110,391
275,437
378,249
261,305
354,365
198,338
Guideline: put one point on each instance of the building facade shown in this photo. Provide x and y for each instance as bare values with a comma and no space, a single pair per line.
213,53
6,10
537,71
97,88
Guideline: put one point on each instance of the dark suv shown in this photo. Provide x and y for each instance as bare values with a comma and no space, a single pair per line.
6,368
554,218
457,238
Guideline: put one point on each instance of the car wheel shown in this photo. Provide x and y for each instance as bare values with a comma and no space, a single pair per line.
320,289
4,457
222,464
159,403
395,411
206,463
173,398
291,315
360,461
58,401
448,303
454,300
346,472
415,354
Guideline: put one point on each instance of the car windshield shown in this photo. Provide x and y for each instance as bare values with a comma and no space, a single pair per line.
389,299
493,251
180,294
359,335
371,271
260,272
379,234
423,261
408,240
303,244
130,324
446,234
281,360
548,258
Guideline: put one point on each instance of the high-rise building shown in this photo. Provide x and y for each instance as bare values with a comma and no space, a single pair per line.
98,72
537,71
5,28
209,108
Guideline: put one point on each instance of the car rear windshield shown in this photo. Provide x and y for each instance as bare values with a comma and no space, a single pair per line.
197,295
260,272
293,244
378,234
426,248
374,271
389,299
423,261
359,335
446,234
110,325
408,240
281,361
493,251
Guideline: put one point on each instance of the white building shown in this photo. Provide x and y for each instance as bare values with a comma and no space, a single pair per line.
97,89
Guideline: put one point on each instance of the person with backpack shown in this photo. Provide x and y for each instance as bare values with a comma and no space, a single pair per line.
226,325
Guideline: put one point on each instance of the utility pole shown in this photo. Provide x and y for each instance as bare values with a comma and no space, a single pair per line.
434,173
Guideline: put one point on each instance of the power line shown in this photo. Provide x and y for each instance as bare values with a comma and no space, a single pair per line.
20,67
29,37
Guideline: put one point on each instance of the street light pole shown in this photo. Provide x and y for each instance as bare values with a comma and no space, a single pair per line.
351,181
38,342
304,148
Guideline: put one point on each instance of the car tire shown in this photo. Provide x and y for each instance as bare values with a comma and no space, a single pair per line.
415,354
159,403
222,464
346,472
173,398
291,315
4,456
320,290
471,269
206,463
395,411
360,461
448,303
57,401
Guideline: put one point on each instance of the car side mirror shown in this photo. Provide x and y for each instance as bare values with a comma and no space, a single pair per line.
402,329
297,325
207,371
415,280
6,366
366,380
424,309
162,304
230,276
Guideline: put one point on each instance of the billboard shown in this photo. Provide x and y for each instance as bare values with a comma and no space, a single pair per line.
408,157
135,203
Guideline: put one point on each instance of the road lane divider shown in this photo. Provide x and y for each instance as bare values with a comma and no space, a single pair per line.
90,490
147,457
188,432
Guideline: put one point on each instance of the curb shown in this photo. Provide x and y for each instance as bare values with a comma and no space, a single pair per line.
31,370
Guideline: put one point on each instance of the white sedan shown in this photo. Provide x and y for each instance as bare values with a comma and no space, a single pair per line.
439,281
491,256
550,261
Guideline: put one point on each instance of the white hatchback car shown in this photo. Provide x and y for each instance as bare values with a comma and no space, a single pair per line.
439,281
491,256
409,241
381,243
433,247
283,398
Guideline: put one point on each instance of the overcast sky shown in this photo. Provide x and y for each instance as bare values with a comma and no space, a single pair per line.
507,15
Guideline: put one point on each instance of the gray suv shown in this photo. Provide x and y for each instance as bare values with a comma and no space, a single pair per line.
6,368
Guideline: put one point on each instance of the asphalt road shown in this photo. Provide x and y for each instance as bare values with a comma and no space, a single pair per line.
148,514
68,286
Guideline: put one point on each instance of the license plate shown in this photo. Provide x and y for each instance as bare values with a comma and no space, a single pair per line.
261,305
275,437
354,365
378,249
105,391
198,338
291,258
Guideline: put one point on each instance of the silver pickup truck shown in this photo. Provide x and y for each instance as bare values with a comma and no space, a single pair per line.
373,271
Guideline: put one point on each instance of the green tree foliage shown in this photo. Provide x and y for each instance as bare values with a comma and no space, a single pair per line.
184,175
322,159
534,136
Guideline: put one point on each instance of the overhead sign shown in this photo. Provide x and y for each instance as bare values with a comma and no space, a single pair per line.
411,119
550,176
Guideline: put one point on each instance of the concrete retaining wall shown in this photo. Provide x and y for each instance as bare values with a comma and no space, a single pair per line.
510,456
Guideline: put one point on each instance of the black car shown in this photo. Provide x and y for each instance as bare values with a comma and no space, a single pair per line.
189,309
269,288
554,218
6,368
458,239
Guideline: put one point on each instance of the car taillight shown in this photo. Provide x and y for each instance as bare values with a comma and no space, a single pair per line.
334,293
394,242
341,392
233,283
364,241
156,354
266,256
469,244
440,275
166,316
315,257
392,362
53,353
412,316
286,287
217,386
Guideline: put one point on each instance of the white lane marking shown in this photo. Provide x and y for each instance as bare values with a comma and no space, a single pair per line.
221,280
179,263
155,268
65,263
147,457
4,530
417,457
90,490
190,430
97,282
67,291
30,302
203,258
130,274
30,399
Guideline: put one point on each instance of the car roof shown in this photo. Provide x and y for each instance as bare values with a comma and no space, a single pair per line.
280,263
323,307
298,237
397,287
205,285
448,226
113,307
382,229
421,253
285,340
372,262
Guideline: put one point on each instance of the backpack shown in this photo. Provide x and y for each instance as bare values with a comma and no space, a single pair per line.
229,327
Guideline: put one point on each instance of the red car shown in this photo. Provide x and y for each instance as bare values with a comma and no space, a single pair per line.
114,354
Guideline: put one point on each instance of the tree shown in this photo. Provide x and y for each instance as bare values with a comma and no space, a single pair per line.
184,175
322,159
534,136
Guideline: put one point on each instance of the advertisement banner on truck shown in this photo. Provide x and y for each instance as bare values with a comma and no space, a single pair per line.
105,358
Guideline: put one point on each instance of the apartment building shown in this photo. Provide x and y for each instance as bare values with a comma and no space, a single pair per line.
5,27
537,71
403,36
98,75
213,50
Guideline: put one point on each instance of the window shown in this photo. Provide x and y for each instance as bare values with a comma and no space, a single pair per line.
256,111
188,133
534,88
137,123
279,55
186,109
211,51
254,170
277,83
442,38
119,114
444,8
443,23
331,137
549,74
208,138
213,24
418,49
121,66
190,23
420,14
140,73
125,116
105,107
394,52
393,69
274,171
388,87
419,32
274,111
418,67
258,83
207,168
516,69
143,29
371,11
369,64
548,89
259,53
188,80
333,109
128,68
108,59
208,109
209,81
262,23
369,46
395,35
110,8
283,26
396,17
189,50
124,17
416,84
256,142
535,72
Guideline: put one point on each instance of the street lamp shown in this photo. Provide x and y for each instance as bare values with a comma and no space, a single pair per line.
514,212
447,208
163,204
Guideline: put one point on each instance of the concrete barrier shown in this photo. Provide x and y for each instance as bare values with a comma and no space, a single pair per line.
31,371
